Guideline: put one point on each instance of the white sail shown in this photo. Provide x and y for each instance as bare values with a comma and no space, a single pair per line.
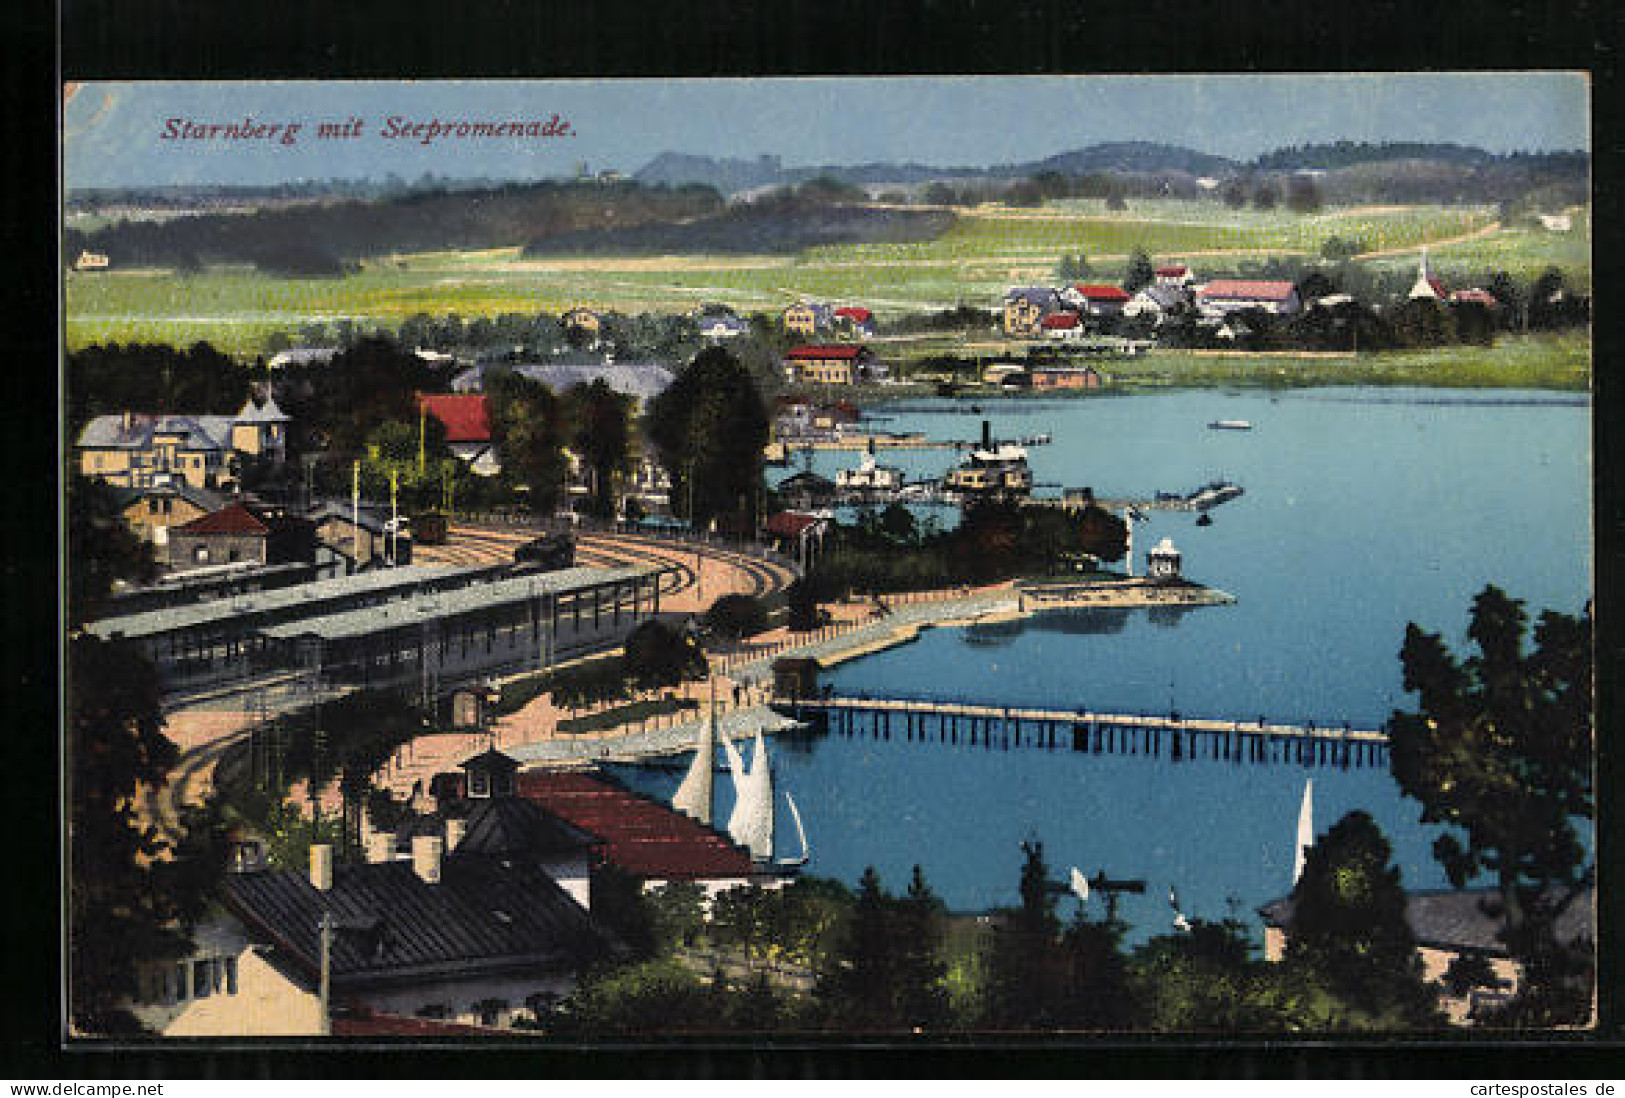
695,796
1306,829
1080,884
801,833
751,824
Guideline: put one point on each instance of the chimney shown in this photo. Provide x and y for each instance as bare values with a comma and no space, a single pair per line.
321,867
426,853
455,830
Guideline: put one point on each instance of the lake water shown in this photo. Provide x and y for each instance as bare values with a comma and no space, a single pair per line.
1364,509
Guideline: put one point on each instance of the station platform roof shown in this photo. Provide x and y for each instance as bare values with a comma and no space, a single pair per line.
417,609
406,578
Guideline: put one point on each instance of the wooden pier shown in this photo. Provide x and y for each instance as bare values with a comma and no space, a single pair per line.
1178,737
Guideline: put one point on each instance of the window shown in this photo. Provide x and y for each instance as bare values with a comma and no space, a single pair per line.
200,555
152,507
202,979
180,983
231,975
478,784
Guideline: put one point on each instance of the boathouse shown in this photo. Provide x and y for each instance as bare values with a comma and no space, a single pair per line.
1162,562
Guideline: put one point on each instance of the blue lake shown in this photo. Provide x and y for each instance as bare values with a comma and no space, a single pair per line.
1364,509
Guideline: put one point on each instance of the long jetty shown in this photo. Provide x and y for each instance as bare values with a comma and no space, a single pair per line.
1179,737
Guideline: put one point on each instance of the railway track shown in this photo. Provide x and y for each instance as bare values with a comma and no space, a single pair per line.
480,545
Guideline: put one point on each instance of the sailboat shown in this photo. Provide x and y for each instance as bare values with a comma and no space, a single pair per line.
751,824
695,794
1306,829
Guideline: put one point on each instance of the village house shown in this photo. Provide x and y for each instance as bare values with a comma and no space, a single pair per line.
797,534
152,511
854,322
1098,299
1026,307
1065,377
831,364
718,327
90,261
134,450
1448,924
240,534
1064,326
361,535
1474,296
1223,296
587,321
468,429
1158,302
808,318
1176,276
484,917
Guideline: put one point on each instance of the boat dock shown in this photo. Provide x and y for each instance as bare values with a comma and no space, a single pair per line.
1180,737
1204,498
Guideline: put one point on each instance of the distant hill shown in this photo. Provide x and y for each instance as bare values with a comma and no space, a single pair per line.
1344,154
320,238
1127,156
769,225
735,176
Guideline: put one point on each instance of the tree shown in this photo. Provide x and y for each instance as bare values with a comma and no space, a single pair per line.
802,599
709,428
858,989
735,616
527,427
897,523
921,996
1070,269
1348,923
658,655
1499,748
1025,984
101,549
1115,200
602,437
1266,196
1303,195
1234,194
1140,272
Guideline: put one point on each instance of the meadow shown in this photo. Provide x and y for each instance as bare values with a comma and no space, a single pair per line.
989,249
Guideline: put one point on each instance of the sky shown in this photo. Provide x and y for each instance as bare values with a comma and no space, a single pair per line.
113,133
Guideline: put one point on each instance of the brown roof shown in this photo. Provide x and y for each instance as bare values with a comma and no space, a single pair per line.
641,836
1251,289
827,350
235,519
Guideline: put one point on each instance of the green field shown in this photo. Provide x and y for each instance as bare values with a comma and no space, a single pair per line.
237,308
1515,362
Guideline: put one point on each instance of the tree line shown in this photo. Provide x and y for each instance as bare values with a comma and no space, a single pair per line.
320,239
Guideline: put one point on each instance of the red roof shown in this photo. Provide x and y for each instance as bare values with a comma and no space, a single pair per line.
855,312
462,414
1059,320
1248,289
1096,292
1481,297
1173,272
235,519
789,524
641,836
826,350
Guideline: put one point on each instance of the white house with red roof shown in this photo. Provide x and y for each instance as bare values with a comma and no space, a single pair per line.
466,419
1224,296
1175,274
1064,325
855,321
1096,298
